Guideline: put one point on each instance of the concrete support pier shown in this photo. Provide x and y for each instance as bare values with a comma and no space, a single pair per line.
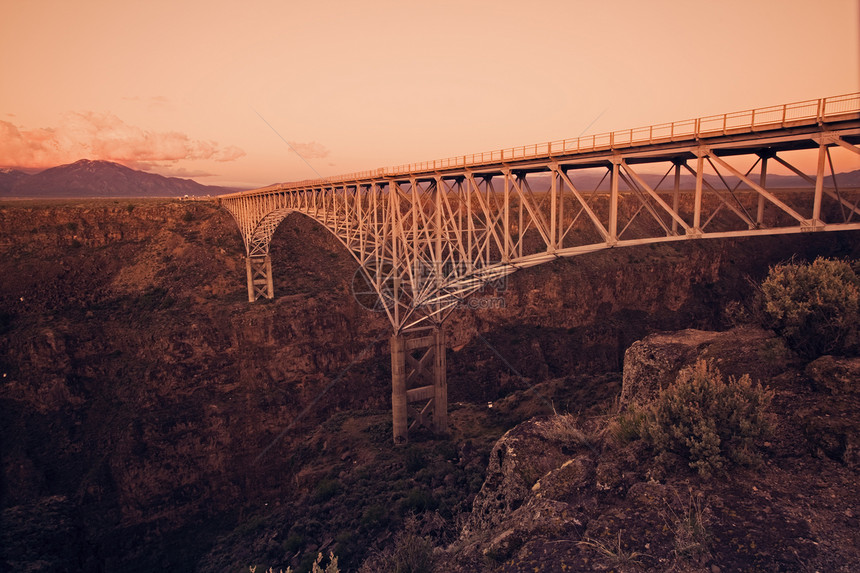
259,268
418,376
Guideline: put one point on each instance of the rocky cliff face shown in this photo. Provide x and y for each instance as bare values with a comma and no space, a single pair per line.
146,407
565,494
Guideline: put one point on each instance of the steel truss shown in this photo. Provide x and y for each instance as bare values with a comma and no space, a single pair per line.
428,236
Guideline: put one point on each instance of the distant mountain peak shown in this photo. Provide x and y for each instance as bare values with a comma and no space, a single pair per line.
99,178
95,163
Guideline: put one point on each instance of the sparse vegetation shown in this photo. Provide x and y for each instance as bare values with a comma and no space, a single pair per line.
326,489
690,527
614,552
814,307
565,429
411,553
706,421
316,567
627,425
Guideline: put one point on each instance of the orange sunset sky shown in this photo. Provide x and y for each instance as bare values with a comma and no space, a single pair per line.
191,88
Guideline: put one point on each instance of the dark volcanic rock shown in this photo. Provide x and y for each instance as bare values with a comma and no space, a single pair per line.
840,375
44,536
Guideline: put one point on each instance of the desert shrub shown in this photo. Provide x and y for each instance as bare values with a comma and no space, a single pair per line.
375,514
706,421
414,459
814,307
411,553
627,425
325,490
293,543
417,501
316,566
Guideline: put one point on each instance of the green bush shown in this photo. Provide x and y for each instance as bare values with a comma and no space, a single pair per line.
815,308
706,421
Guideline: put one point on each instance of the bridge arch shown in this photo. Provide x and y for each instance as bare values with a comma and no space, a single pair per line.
435,232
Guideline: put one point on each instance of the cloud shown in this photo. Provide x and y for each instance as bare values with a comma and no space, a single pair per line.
103,136
170,170
310,150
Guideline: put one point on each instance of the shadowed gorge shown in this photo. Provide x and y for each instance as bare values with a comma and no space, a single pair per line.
139,387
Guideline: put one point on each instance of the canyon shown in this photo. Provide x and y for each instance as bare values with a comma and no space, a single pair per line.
152,418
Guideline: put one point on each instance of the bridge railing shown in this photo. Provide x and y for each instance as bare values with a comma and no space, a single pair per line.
760,119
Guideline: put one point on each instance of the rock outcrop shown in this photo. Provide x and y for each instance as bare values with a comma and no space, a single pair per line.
606,506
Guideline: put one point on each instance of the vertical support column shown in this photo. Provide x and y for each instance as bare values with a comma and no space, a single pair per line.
270,287
398,388
437,220
520,224
506,255
676,196
553,213
251,297
762,181
440,382
697,200
819,184
613,202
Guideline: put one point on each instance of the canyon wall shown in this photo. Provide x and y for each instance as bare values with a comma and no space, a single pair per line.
146,406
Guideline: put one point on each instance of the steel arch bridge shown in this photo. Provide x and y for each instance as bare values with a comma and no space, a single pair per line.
428,235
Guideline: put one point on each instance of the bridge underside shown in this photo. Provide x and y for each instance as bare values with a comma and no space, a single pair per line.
428,236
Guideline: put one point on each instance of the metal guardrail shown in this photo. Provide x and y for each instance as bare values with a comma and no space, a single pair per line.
821,110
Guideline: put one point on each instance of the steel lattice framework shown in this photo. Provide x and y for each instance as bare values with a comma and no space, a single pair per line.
428,235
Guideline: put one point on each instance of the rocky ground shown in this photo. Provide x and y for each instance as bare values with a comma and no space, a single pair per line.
576,498
151,418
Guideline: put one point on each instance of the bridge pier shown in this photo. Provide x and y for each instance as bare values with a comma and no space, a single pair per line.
259,269
418,376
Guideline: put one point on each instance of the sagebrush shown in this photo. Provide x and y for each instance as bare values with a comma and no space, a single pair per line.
814,307
707,421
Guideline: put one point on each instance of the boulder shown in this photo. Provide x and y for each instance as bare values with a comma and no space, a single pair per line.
652,363
519,458
840,375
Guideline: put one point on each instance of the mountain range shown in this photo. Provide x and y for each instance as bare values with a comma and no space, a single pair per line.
86,178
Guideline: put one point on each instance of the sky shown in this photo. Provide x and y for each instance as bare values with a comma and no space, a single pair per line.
252,93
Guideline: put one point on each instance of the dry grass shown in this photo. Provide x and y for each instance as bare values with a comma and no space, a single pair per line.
615,553
565,429
690,527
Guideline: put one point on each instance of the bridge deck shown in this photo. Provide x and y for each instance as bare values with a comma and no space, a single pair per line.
778,127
